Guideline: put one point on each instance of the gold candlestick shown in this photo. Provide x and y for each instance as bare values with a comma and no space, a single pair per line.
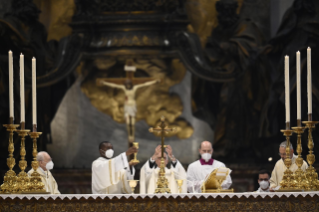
162,182
133,184
311,173
300,176
134,160
288,181
10,178
179,184
23,179
36,185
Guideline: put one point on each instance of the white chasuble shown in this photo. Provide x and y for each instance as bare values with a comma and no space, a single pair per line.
110,176
149,177
278,172
199,170
48,180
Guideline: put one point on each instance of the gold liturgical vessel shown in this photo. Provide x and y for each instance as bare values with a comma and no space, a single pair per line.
311,173
133,184
162,183
179,184
10,179
134,160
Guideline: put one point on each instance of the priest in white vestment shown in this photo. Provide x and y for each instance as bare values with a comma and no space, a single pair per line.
198,170
149,172
45,165
111,175
278,172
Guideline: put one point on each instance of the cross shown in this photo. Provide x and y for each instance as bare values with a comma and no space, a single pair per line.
129,85
130,69
162,129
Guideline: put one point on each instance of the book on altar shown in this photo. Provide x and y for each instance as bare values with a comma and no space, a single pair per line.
211,182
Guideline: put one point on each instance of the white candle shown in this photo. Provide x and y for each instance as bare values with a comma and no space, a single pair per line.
34,92
11,109
309,86
287,89
298,87
22,119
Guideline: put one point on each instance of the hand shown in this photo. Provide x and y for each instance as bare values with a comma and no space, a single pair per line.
131,150
169,151
132,163
271,190
157,152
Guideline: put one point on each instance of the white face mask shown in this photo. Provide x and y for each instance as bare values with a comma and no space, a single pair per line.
206,156
264,184
109,153
49,165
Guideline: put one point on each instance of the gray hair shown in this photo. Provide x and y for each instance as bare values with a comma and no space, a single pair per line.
284,144
40,155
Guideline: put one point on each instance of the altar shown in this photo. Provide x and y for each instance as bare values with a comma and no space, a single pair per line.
250,201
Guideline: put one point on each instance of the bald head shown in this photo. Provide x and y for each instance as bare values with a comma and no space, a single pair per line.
205,147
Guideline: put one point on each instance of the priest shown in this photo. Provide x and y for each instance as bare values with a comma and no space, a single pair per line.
278,172
149,172
198,170
45,165
110,175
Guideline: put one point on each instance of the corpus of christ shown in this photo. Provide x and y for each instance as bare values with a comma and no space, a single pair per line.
150,105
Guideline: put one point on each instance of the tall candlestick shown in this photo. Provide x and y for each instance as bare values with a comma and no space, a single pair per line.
309,83
11,108
287,92
298,90
34,95
22,88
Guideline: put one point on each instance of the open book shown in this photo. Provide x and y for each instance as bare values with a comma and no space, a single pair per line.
214,180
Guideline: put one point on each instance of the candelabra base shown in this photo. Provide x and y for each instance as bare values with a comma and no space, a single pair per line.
10,178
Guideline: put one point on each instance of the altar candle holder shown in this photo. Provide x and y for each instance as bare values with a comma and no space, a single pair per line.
288,182
36,184
10,178
311,173
300,175
22,178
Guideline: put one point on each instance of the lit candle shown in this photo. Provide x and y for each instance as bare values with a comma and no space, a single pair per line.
34,94
298,89
22,119
309,86
287,91
11,109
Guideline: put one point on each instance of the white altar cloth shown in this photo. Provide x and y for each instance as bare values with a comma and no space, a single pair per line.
135,196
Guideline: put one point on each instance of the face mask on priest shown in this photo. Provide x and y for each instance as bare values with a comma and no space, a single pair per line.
206,150
45,162
106,150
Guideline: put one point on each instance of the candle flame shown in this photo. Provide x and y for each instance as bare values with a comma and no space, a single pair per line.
308,47
10,51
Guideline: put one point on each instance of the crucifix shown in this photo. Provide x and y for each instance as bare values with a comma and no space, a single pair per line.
162,183
129,85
